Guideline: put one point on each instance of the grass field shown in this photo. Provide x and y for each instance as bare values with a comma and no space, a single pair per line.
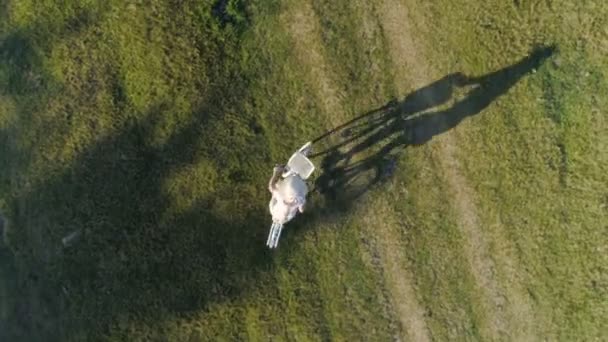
466,198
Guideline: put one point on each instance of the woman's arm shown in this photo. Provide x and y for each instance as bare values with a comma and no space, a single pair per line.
275,177
301,203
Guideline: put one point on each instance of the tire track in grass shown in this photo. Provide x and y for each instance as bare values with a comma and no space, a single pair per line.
513,313
501,306
301,23
383,233
384,245
304,28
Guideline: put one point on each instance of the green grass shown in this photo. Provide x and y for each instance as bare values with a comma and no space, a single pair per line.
151,127
538,161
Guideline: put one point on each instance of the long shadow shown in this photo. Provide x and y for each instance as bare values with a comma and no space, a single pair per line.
138,259
21,50
369,144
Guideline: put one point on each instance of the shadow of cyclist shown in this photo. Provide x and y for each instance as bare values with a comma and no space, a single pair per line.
375,138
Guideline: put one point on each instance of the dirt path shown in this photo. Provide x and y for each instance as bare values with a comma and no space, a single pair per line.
411,70
502,306
506,309
305,31
383,231
480,261
512,312
306,34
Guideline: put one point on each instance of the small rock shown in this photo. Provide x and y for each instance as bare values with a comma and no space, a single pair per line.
71,238
557,62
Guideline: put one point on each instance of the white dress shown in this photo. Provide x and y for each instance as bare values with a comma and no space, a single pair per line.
287,197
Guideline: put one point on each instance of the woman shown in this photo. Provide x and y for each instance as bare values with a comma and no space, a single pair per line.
288,195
